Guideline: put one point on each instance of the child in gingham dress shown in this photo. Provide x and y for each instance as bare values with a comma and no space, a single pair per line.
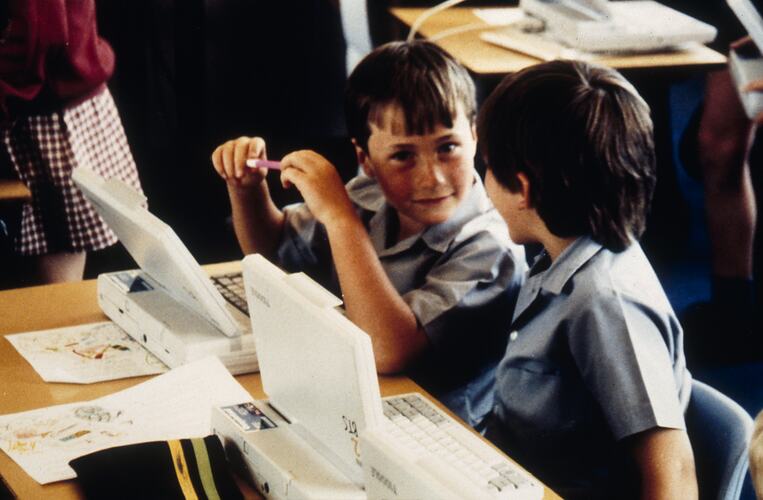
43,150
57,114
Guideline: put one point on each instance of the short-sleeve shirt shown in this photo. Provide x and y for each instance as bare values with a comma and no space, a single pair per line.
595,355
460,278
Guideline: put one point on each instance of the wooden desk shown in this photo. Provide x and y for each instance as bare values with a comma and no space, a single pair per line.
483,58
53,306
12,190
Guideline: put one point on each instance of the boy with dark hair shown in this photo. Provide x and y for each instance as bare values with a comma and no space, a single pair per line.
591,392
413,244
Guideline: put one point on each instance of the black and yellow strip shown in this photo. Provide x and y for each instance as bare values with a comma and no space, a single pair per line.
174,470
194,468
181,469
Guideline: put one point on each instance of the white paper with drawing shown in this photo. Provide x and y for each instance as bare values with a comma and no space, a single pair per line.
174,405
85,354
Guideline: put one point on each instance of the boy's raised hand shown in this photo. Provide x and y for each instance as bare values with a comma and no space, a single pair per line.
319,183
229,161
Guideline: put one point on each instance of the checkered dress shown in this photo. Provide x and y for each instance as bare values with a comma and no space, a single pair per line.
43,150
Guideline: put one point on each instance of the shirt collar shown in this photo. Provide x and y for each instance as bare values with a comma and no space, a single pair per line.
553,277
566,265
365,192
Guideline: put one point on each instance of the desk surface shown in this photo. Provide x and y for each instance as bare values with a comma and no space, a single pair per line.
483,58
14,190
21,389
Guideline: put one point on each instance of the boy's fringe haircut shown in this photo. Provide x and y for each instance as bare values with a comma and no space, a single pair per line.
426,82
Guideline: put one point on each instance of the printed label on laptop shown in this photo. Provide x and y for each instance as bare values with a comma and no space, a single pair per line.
248,417
130,281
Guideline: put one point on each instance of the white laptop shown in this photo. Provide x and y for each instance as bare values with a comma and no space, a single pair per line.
169,305
747,65
307,440
747,13
617,26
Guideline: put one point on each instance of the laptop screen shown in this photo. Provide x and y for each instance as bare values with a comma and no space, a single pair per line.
317,367
156,248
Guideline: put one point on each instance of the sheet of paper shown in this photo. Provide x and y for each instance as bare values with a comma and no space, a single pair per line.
85,354
500,16
173,405
532,44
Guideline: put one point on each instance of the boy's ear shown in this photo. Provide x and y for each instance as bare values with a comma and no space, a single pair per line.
524,190
363,159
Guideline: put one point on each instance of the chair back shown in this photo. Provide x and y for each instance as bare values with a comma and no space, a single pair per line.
719,430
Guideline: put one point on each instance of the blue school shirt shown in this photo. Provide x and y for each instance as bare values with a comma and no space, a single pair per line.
595,355
460,278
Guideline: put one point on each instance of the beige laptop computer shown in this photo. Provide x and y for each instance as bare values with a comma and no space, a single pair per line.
307,440
601,26
169,304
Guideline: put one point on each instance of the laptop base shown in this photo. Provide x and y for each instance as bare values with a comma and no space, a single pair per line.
619,32
263,446
165,327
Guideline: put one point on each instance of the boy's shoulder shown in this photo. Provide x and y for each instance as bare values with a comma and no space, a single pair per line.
486,234
479,215
608,297
365,192
618,276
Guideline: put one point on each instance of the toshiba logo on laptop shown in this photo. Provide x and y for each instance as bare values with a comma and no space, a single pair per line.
383,480
257,295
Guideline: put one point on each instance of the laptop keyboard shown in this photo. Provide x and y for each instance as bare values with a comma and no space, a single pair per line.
231,286
425,429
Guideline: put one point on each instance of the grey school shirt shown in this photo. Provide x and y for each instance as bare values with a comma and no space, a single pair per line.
460,279
595,355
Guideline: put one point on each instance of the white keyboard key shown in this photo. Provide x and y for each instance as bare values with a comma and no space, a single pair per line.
435,436
471,460
427,441
231,288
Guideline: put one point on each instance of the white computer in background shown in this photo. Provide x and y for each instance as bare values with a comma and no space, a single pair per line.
746,65
618,26
169,305
325,432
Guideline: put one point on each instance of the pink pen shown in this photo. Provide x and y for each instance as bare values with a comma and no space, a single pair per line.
272,165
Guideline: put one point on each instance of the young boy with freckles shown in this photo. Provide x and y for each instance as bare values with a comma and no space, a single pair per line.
592,390
418,253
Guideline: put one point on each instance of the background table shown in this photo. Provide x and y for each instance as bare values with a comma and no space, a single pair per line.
12,190
483,58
